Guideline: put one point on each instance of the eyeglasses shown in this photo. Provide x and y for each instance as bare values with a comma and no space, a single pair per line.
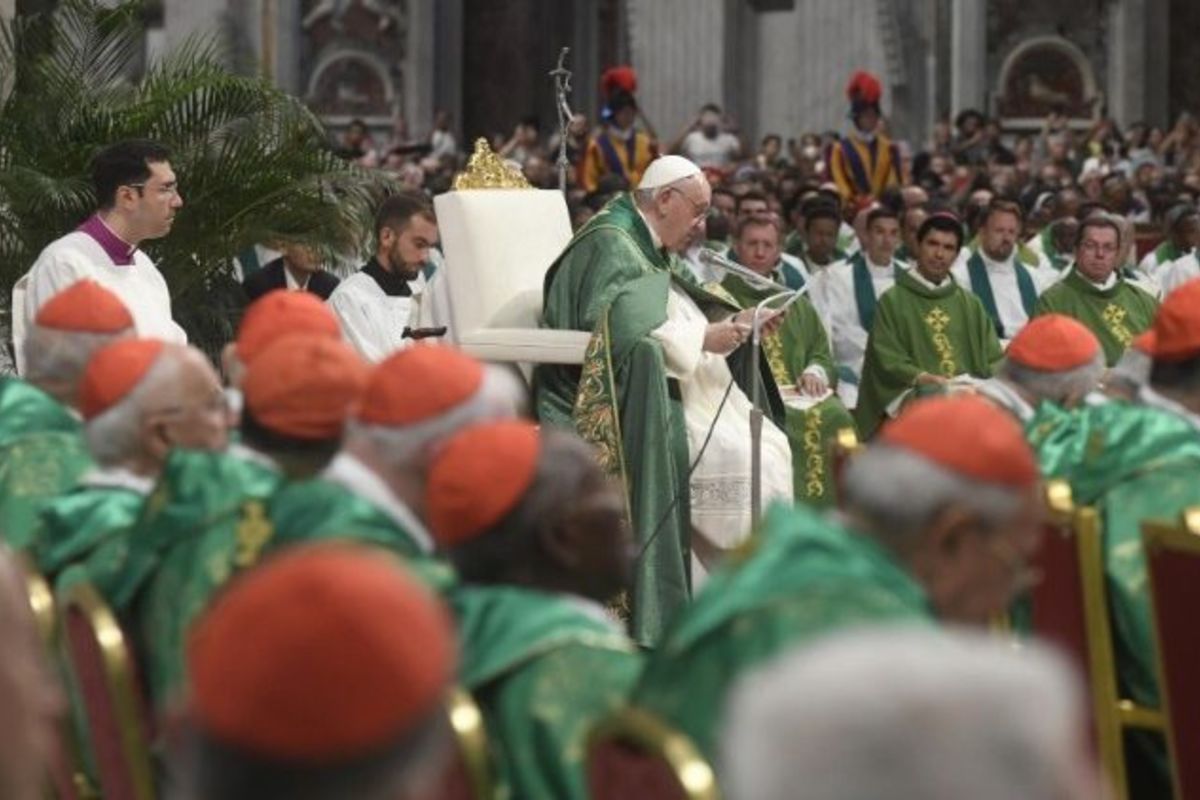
1097,247
698,209
166,190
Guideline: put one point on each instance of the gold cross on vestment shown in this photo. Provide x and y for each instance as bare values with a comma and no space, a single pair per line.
937,319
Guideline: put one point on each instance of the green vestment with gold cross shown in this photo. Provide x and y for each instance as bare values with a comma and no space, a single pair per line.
918,328
801,342
612,282
544,668
1116,315
801,577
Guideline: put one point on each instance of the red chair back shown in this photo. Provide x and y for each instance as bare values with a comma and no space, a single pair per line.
1173,565
103,669
633,754
468,773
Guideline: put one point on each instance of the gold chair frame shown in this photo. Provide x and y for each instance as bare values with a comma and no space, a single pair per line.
466,720
120,682
1182,537
655,737
1112,714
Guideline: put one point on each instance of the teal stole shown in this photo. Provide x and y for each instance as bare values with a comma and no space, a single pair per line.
864,290
981,285
792,277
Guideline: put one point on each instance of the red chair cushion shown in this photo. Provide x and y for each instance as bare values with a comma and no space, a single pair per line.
618,771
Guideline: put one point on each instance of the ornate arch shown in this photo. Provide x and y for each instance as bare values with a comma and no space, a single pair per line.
1043,73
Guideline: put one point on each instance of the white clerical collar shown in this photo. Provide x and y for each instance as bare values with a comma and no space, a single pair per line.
1006,397
1151,398
294,285
591,609
876,268
359,479
1109,282
117,478
992,263
252,456
654,237
928,284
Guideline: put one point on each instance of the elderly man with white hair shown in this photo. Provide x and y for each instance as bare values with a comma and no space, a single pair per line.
41,447
139,398
1054,358
661,390
909,715
940,514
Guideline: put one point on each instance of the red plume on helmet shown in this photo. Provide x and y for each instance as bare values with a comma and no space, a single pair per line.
864,91
622,78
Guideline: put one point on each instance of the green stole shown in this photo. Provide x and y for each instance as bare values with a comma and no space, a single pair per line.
544,672
981,285
943,331
864,289
612,281
1057,259
1133,463
1116,315
790,277
801,577
1167,251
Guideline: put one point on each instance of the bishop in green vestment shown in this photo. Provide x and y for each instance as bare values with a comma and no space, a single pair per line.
42,453
616,280
801,363
1097,294
807,574
538,552
927,330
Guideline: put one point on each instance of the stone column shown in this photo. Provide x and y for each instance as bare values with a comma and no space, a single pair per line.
419,67
8,8
678,49
968,56
1127,61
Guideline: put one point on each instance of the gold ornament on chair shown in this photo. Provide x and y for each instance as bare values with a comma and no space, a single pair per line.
486,170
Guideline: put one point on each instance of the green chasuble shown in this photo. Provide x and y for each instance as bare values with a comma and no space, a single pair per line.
77,527
42,455
802,577
800,343
943,331
612,282
1133,464
185,545
1115,315
544,668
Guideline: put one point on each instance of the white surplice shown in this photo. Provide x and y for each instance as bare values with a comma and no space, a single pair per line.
720,484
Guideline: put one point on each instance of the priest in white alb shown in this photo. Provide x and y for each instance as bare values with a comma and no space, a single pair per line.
660,392
137,196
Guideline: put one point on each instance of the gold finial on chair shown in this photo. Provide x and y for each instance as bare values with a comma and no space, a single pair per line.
486,170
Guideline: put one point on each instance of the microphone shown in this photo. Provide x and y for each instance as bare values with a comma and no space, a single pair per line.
715,259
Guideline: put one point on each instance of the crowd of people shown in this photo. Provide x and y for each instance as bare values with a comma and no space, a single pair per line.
318,547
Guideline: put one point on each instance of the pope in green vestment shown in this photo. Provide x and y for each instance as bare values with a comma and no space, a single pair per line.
42,455
613,282
1133,464
1116,313
803,577
544,668
940,330
801,343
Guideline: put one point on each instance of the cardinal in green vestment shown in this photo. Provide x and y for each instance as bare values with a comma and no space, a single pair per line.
539,539
42,453
909,546
1097,294
801,363
139,398
655,384
927,330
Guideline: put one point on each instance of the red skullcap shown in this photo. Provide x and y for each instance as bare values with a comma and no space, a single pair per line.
1175,334
1053,343
968,436
418,384
283,313
479,477
304,386
113,372
85,307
